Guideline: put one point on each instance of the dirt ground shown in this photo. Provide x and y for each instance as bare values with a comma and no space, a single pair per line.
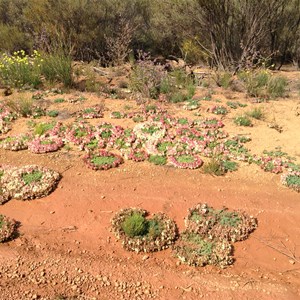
65,249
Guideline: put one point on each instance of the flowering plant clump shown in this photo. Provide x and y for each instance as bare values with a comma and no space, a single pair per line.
186,161
149,130
7,228
79,134
141,234
219,224
195,250
28,182
218,110
20,69
4,197
291,180
191,105
209,123
102,160
137,155
91,112
4,127
45,144
15,143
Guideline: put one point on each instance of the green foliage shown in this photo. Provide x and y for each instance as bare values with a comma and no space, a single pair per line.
32,177
293,181
103,160
59,100
53,113
22,105
19,69
242,121
223,79
277,86
214,167
235,104
205,248
256,113
231,219
158,160
135,225
185,159
263,84
229,166
42,128
154,228
57,67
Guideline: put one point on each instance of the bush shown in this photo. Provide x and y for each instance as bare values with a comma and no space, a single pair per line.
135,225
57,67
22,105
256,113
242,121
277,86
19,69
214,167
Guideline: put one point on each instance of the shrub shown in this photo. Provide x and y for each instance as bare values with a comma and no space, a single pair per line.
242,121
135,225
57,67
22,105
19,69
214,167
223,79
42,128
256,113
277,86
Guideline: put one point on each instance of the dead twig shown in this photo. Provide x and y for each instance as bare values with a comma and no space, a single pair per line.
286,251
187,289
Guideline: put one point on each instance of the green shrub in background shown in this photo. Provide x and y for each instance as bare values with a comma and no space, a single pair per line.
57,68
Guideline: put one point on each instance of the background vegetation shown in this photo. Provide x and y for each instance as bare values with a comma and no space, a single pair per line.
227,34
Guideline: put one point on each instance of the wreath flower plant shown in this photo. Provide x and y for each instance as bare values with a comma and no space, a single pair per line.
186,161
140,234
102,160
195,250
45,144
220,224
28,182
291,180
91,112
15,143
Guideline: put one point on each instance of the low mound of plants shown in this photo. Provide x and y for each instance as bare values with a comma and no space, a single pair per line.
27,182
219,224
195,250
186,161
45,144
141,234
291,180
102,160
15,143
7,228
